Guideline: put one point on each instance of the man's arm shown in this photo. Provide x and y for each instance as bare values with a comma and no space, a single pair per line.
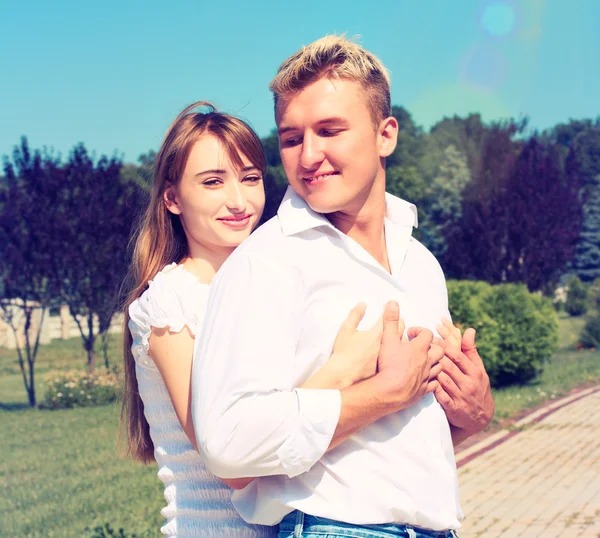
248,419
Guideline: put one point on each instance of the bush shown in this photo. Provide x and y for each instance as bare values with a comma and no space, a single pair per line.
577,297
590,334
594,295
517,331
76,388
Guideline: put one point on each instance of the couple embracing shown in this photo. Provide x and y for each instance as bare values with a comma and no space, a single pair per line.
304,381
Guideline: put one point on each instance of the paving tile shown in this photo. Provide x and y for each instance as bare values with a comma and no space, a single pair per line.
543,482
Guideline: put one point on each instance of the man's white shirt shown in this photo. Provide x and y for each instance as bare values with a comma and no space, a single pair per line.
274,310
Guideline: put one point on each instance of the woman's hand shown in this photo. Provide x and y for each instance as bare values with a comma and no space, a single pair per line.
354,355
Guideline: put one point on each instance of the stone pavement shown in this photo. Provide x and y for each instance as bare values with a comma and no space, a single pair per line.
541,480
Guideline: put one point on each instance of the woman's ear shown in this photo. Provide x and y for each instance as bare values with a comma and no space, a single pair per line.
388,136
170,198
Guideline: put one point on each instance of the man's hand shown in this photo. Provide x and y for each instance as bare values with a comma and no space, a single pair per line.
408,370
464,386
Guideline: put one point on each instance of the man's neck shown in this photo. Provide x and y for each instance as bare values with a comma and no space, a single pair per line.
366,224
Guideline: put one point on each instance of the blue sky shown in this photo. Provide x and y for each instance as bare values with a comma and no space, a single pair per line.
113,74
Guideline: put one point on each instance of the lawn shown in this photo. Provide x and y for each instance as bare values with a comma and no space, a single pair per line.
61,471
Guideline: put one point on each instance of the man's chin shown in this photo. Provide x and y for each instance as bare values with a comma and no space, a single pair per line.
320,202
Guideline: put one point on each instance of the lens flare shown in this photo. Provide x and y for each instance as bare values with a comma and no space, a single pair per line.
498,19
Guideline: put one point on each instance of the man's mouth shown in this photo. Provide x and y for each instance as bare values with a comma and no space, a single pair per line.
318,179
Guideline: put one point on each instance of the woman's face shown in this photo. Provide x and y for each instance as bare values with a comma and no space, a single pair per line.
219,204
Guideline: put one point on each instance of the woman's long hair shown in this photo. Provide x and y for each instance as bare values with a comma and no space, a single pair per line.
160,239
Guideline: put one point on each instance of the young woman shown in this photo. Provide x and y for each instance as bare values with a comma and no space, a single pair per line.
207,197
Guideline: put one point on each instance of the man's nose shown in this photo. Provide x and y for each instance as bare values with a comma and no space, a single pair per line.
312,152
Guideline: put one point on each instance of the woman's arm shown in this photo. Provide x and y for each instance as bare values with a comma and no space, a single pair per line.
172,353
354,358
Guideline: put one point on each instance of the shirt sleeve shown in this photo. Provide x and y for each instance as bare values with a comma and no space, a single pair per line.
248,418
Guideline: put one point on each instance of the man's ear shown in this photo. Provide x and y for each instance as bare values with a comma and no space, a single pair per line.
388,136
170,198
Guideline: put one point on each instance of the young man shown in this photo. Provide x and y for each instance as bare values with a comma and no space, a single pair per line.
376,454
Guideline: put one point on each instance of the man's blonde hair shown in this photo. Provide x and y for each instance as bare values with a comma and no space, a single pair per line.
336,57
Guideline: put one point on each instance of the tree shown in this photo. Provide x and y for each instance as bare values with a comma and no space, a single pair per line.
275,181
28,287
587,252
582,138
444,209
522,216
100,210
577,297
407,183
409,149
467,135
476,246
141,174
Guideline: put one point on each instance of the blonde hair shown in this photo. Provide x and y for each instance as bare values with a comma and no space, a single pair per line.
161,240
335,56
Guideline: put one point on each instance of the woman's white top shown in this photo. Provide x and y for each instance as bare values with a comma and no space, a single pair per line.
198,503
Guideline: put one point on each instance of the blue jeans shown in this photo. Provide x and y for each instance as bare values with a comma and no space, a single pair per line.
300,525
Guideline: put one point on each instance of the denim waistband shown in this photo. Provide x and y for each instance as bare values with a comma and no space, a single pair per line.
296,523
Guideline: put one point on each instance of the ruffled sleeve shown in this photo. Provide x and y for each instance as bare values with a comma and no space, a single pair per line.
174,299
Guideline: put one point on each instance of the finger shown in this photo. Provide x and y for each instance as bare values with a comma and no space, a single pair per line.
463,363
452,371
421,335
454,330
435,354
438,341
442,396
391,317
401,326
448,384
354,317
435,370
444,332
469,348
449,332
432,386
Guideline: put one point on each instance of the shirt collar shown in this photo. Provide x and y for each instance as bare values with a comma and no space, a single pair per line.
296,216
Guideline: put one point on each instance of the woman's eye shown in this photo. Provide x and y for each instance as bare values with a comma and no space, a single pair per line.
253,179
211,182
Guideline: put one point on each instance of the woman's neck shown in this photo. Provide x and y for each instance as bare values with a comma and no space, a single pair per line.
204,262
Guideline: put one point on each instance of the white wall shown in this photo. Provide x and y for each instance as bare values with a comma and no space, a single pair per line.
53,327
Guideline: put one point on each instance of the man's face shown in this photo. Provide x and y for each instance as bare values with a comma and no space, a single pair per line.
330,149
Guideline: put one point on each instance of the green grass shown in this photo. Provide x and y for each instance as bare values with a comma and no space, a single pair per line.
60,471
567,369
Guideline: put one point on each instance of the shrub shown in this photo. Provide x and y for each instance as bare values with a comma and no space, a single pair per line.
517,331
590,334
594,295
577,297
76,388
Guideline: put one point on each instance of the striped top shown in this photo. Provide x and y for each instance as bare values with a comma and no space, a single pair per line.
198,503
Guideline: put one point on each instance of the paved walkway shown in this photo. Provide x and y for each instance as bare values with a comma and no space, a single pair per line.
541,480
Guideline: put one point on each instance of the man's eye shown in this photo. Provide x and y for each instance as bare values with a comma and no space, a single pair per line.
330,132
290,142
